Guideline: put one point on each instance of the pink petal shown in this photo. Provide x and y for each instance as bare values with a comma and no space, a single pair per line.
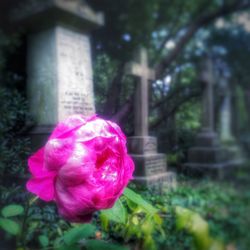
67,127
43,187
36,163
57,152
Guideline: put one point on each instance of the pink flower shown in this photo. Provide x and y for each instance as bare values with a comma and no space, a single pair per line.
83,167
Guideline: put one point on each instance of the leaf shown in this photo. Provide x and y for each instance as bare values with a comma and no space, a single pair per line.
194,224
12,210
77,233
71,247
137,199
117,213
43,240
104,221
9,226
157,219
99,244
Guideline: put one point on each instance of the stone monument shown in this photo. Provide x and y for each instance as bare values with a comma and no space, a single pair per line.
225,107
208,156
151,167
234,152
59,66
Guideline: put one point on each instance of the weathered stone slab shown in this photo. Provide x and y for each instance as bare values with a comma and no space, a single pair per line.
149,164
37,14
75,77
207,139
142,144
59,67
42,88
159,181
59,75
219,170
207,154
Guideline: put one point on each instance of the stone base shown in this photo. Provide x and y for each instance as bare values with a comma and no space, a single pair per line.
209,158
207,155
149,165
142,144
216,170
151,171
159,181
207,138
235,152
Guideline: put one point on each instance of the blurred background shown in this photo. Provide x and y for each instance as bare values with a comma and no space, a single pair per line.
192,45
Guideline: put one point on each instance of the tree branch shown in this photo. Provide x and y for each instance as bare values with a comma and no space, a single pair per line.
174,109
194,27
113,91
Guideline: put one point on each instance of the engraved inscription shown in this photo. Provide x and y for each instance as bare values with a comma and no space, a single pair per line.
75,74
150,145
76,103
155,165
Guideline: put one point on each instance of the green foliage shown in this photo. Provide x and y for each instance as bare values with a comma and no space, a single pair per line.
43,240
133,219
197,227
117,213
223,205
77,233
13,148
138,200
12,210
10,226
99,244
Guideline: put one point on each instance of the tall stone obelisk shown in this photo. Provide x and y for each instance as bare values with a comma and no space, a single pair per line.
234,152
59,64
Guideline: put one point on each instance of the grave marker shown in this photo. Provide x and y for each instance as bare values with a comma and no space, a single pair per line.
151,167
59,66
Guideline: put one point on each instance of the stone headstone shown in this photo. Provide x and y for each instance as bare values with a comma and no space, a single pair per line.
225,108
208,156
151,167
59,66
59,75
234,152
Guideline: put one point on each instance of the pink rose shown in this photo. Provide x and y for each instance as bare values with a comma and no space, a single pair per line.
83,167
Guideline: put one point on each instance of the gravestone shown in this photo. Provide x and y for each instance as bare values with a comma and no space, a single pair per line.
234,152
151,167
59,66
208,156
225,107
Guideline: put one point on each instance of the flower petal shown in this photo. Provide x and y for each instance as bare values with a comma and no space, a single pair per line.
43,187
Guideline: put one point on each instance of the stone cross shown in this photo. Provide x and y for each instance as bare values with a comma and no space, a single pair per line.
207,78
144,73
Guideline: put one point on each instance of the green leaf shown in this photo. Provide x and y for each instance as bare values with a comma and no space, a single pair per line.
77,233
137,199
43,240
104,221
71,247
12,210
117,213
99,244
9,226
194,224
